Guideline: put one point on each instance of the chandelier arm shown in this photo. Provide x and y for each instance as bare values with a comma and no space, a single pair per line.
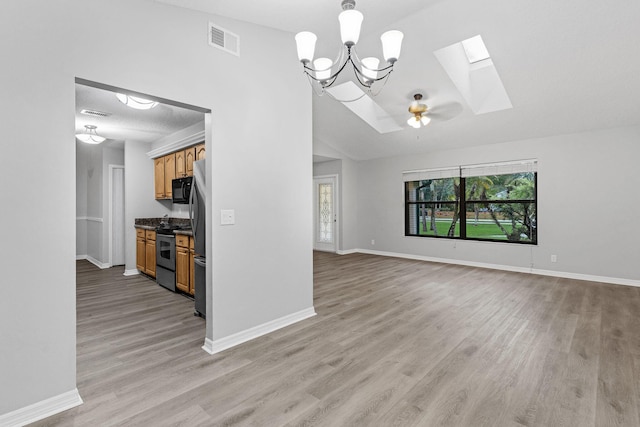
384,83
359,62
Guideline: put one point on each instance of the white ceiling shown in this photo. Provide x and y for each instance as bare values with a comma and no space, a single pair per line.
126,123
567,66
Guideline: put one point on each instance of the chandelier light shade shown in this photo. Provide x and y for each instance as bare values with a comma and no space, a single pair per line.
90,136
350,23
136,102
306,44
323,72
323,68
391,45
369,68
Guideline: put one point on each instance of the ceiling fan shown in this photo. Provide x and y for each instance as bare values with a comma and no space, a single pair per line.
421,113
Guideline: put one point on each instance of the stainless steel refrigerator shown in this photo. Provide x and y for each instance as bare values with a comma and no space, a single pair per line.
197,209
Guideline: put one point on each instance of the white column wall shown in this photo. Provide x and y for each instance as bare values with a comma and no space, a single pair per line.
261,268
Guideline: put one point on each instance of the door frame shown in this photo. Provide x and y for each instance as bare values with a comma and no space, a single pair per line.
336,214
110,225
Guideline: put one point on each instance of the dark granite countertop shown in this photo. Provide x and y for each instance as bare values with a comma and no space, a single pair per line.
152,223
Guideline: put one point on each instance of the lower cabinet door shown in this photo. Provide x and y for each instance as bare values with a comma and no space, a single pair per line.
182,269
150,255
140,255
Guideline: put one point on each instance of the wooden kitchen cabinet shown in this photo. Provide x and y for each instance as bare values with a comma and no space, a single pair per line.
141,259
169,174
164,173
174,165
159,177
184,264
181,164
182,269
189,157
200,152
146,251
150,253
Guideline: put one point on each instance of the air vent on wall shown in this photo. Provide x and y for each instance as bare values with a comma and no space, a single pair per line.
223,39
95,113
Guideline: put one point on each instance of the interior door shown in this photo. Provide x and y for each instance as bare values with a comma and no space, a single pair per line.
325,213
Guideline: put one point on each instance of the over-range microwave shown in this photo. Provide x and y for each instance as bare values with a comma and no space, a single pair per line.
181,188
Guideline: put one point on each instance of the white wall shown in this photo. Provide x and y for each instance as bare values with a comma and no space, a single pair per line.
587,205
260,268
92,199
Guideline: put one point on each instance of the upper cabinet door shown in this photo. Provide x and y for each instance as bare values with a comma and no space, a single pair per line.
169,173
159,177
200,152
190,157
181,164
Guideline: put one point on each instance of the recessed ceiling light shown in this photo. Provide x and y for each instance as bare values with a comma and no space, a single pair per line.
475,49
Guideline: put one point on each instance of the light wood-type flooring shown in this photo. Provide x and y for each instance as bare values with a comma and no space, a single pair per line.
395,343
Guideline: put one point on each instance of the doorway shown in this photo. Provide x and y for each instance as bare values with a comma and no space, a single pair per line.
116,213
325,213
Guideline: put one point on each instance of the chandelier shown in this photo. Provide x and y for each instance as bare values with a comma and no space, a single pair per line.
324,72
90,136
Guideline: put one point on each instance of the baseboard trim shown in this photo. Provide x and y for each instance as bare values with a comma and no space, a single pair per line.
43,409
347,252
131,272
551,273
213,347
101,265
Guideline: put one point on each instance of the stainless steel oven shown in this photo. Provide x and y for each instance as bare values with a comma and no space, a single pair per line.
166,259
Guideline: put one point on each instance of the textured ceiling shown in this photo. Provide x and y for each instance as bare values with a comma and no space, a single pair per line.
567,66
126,123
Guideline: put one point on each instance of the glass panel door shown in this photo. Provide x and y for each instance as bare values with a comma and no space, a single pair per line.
325,214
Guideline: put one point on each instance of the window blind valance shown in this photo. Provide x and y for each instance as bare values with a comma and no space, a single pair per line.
499,168
438,173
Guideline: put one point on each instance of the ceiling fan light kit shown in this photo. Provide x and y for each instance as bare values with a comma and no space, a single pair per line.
419,111
324,72
90,136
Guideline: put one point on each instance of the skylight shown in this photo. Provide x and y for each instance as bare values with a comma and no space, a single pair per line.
475,49
471,69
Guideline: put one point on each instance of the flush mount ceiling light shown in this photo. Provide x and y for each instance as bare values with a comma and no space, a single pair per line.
419,112
90,136
324,72
136,102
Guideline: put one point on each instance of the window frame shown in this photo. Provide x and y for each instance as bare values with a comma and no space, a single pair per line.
462,217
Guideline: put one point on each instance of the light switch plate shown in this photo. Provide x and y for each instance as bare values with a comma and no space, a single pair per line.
227,217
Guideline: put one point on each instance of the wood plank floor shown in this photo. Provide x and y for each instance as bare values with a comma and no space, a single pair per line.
395,343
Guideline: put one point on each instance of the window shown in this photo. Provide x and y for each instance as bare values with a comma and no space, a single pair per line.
498,201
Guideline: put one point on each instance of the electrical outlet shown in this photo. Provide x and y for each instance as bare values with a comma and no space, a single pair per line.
554,258
373,242
227,217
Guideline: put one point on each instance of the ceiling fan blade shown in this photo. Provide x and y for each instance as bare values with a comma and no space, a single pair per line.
444,112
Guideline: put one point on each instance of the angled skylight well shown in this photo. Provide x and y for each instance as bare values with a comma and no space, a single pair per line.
356,100
471,69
